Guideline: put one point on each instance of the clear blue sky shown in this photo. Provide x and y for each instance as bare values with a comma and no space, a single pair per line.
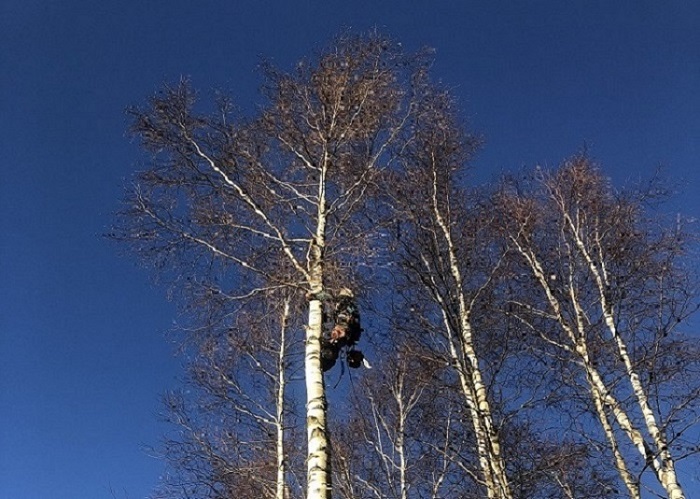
82,353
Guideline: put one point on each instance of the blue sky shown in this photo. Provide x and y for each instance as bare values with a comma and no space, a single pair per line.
83,358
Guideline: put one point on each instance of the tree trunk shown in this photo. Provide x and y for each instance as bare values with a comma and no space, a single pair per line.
318,453
599,392
599,404
401,437
318,462
665,470
484,415
479,432
281,467
490,458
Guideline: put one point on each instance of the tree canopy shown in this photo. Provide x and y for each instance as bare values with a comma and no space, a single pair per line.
527,335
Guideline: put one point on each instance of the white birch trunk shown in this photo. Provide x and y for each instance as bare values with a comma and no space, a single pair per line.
665,470
599,392
496,464
490,457
318,459
400,438
479,432
282,384
318,452
599,404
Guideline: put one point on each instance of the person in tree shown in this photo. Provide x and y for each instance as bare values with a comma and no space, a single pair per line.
347,330
345,333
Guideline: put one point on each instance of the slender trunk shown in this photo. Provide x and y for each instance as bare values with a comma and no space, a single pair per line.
496,463
318,453
599,389
318,459
599,392
490,457
479,431
599,404
400,439
281,467
665,470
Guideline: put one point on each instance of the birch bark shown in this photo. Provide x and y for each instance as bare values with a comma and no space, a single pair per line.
599,392
318,459
665,469
489,449
281,485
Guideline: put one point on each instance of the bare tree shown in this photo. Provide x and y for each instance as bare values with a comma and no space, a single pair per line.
283,200
404,432
453,276
611,293
545,436
351,172
232,425
443,252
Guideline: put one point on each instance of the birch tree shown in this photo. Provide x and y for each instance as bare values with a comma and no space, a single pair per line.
404,432
612,284
282,199
231,425
441,252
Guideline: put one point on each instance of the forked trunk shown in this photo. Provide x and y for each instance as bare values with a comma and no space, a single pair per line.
599,392
488,446
578,347
664,467
599,404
